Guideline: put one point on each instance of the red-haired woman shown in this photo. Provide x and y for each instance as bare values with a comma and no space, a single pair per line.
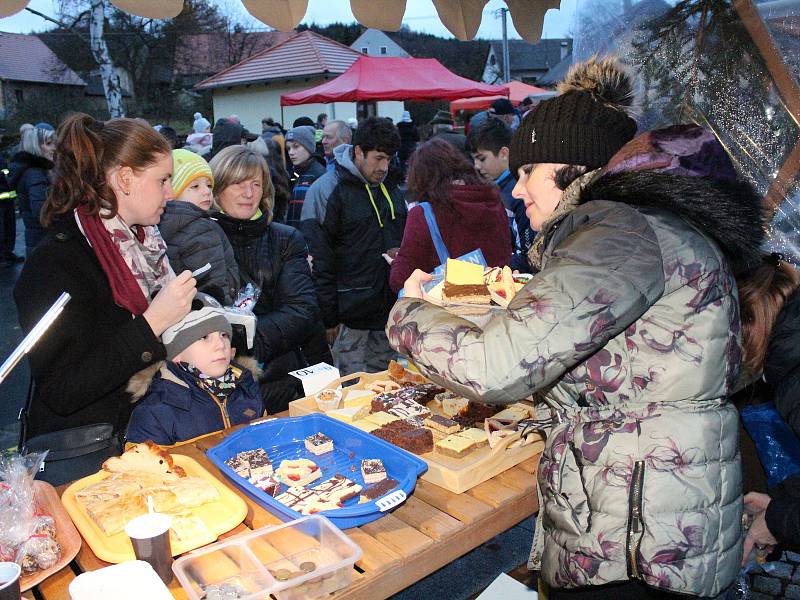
468,212
112,181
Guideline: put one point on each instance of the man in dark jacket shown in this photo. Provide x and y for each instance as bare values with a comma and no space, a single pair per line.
351,217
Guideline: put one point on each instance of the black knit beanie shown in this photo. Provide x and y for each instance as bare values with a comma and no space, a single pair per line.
585,125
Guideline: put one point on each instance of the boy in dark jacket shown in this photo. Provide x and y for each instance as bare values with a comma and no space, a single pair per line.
193,237
489,143
305,169
197,390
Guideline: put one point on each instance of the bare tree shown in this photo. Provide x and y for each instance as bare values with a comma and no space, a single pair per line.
97,44
111,85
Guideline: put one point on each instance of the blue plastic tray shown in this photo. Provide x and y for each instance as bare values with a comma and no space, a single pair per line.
283,439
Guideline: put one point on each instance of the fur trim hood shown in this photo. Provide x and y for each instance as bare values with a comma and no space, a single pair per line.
684,170
731,214
140,382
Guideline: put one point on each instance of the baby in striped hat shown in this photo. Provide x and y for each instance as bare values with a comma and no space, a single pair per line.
192,235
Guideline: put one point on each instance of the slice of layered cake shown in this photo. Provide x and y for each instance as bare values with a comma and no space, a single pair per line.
464,283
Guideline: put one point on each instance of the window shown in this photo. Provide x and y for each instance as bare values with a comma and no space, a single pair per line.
18,96
364,50
383,49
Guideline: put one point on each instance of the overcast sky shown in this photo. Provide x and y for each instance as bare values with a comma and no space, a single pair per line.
420,15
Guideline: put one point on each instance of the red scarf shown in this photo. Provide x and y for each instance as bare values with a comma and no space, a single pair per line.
124,287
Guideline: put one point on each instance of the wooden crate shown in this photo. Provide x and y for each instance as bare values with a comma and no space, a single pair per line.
454,474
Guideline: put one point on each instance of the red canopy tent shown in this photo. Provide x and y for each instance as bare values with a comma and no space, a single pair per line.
374,78
518,91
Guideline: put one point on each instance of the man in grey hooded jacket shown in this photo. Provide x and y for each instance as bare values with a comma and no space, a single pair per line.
352,217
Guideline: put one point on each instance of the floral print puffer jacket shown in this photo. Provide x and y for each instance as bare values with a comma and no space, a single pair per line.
631,330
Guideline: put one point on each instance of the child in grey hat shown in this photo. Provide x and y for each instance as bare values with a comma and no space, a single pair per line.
198,390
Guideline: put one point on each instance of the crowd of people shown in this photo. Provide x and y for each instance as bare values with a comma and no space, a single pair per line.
630,334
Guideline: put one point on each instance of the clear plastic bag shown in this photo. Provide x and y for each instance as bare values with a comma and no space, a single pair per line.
27,536
247,298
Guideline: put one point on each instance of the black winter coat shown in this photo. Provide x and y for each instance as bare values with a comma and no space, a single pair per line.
782,363
193,239
28,175
409,136
274,257
347,240
83,363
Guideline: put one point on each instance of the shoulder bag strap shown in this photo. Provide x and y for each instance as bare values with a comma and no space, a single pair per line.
436,236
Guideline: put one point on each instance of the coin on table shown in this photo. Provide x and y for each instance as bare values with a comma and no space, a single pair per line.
308,566
283,574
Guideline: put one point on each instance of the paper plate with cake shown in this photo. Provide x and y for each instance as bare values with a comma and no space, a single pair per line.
469,289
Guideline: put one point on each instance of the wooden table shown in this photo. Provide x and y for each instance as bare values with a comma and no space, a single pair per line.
431,529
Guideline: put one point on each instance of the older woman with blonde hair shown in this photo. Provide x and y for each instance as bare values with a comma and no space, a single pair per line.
272,257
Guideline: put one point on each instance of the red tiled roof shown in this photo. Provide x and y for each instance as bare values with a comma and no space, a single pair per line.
27,58
303,55
207,53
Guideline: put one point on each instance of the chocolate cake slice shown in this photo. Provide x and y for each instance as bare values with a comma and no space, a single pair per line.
381,488
475,412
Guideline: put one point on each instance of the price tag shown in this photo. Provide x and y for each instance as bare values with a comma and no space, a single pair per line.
316,377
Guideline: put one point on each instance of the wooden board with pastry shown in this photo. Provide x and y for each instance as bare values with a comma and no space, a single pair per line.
463,442
102,504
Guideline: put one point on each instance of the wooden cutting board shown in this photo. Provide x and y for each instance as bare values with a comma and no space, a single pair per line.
454,474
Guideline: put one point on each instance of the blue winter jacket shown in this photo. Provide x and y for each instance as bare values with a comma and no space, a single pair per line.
176,409
521,233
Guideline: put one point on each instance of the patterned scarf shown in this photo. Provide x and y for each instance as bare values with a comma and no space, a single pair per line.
134,259
219,387
570,200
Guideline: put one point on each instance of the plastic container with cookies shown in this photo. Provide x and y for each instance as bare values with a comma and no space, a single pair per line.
306,558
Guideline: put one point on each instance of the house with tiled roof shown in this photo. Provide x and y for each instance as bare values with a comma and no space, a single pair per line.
30,74
528,62
251,89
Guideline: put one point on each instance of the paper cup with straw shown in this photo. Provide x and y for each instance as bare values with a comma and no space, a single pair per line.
150,539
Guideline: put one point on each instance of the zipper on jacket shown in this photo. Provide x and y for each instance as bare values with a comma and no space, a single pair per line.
634,536
223,409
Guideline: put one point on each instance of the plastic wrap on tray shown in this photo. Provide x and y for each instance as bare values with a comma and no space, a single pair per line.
27,536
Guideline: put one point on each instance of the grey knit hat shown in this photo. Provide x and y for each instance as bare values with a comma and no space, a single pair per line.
303,135
208,317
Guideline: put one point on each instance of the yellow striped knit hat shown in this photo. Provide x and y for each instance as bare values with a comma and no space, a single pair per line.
186,167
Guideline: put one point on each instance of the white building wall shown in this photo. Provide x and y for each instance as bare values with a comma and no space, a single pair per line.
254,102
373,40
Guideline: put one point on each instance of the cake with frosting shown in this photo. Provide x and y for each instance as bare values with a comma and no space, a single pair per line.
464,283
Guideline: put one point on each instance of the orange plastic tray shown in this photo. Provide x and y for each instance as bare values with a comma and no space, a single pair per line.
219,516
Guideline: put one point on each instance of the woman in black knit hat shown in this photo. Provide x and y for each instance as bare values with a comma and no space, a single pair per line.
629,334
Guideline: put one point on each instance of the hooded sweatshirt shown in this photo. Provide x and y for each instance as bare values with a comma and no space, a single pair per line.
349,223
477,220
